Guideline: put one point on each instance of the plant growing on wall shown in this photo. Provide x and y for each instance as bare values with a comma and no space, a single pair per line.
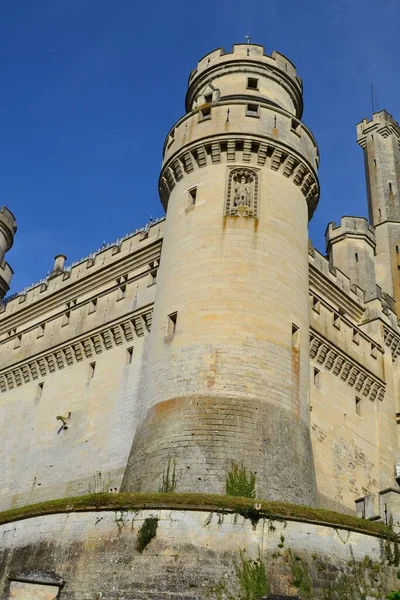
146,533
239,483
252,578
168,485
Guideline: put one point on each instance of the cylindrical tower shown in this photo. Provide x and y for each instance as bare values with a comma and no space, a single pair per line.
8,228
227,372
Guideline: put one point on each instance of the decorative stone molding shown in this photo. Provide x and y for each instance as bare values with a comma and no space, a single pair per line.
73,352
350,372
257,152
392,341
242,193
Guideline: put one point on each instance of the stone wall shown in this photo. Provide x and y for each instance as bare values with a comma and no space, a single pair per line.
93,555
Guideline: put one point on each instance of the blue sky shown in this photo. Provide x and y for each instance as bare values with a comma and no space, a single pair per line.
89,89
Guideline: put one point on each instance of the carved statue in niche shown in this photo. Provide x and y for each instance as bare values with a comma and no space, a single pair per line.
242,198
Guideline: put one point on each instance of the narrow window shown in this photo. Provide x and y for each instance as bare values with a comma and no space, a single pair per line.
316,305
316,377
336,320
171,323
397,249
358,406
65,319
295,126
92,306
192,196
390,187
121,292
208,98
92,368
379,212
129,354
252,83
252,110
39,391
153,272
374,162
205,113
295,336
41,330
18,340
356,256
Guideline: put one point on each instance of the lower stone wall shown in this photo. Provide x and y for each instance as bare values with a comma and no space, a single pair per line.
189,555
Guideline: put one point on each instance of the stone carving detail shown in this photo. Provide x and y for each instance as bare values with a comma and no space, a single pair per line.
330,357
392,340
85,347
242,193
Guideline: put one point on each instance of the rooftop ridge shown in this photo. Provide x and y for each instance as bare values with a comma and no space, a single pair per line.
92,255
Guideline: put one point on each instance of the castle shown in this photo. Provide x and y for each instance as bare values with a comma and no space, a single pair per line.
217,335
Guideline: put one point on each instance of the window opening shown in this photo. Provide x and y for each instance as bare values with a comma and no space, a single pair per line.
205,113
358,406
129,355
252,110
171,323
252,83
295,336
92,368
192,196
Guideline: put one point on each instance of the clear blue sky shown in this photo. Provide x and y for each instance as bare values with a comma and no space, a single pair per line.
89,88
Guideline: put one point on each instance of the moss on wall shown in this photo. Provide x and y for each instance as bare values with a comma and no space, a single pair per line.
249,508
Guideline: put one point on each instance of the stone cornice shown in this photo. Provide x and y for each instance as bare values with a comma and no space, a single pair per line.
341,365
392,341
51,299
82,347
254,150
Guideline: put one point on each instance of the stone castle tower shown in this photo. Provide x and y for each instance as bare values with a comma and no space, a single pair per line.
227,374
215,335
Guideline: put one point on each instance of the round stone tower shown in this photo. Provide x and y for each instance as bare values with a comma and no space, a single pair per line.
227,374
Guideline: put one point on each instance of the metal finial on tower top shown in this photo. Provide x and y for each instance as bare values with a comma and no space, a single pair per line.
247,37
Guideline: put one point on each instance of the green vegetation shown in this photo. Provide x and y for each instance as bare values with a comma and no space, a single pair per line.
300,575
146,533
239,484
252,578
393,596
211,502
168,485
251,581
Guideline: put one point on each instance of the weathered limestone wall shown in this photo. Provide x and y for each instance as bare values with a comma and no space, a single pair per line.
229,384
74,347
93,555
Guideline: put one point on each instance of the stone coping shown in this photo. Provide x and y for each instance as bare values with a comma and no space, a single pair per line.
253,509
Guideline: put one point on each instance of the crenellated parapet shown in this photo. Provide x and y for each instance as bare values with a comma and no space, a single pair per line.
350,227
278,82
61,279
381,123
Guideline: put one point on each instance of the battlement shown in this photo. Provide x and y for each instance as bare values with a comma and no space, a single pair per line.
339,280
350,227
246,52
382,123
274,78
79,269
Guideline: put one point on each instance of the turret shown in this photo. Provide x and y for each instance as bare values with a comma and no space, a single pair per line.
351,248
8,228
228,357
380,140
